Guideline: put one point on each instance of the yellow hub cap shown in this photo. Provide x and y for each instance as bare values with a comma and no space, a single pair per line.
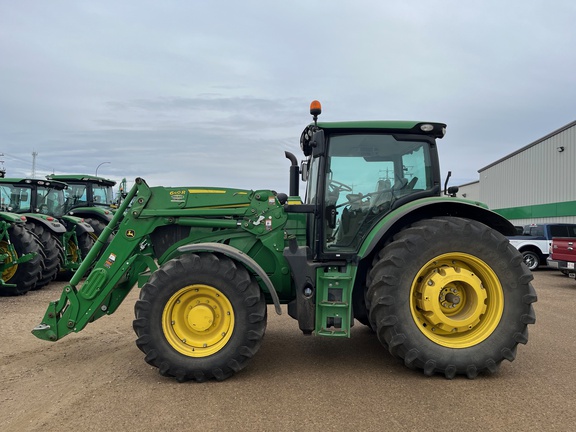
456,300
73,251
198,320
10,271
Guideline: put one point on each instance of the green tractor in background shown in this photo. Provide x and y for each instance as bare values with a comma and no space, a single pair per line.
65,239
89,197
21,255
376,242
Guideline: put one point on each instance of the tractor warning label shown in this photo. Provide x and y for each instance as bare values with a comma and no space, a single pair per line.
110,260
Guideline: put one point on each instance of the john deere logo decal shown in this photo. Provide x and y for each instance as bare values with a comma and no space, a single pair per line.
130,233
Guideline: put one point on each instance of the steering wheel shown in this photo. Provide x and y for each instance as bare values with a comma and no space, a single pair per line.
336,186
411,183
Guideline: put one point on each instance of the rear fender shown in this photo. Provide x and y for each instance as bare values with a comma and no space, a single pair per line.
103,214
81,227
53,225
429,208
12,217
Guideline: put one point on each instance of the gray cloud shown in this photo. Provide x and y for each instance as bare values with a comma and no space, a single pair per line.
213,92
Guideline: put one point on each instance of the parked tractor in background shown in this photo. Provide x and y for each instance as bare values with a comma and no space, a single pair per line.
89,197
65,239
375,240
21,256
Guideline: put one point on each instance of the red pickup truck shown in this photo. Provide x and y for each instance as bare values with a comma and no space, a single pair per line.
562,255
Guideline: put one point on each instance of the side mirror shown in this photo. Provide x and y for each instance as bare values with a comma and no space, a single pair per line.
305,169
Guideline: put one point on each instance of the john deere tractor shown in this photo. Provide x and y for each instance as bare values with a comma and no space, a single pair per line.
375,242
65,239
21,256
88,197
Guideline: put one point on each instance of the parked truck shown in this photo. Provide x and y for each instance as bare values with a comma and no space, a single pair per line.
534,242
375,242
563,256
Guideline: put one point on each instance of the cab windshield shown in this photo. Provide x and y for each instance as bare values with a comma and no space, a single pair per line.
365,175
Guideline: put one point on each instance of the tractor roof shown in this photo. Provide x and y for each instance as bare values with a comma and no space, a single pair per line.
81,178
31,181
436,130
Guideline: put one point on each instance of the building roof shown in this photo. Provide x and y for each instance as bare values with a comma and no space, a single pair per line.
550,135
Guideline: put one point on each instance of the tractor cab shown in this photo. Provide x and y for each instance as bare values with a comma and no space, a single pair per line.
32,196
358,172
86,191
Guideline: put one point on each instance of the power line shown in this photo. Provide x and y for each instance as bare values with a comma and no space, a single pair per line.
27,162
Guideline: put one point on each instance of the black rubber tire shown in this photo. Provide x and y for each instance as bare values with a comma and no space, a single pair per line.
234,282
27,274
85,243
359,307
392,278
531,259
97,224
52,249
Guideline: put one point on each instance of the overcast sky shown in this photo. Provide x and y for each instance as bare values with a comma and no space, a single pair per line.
211,93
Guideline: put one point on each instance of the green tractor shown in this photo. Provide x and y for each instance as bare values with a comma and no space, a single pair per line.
65,239
21,255
376,242
89,197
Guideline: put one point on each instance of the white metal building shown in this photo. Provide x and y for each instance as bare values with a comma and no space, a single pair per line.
535,184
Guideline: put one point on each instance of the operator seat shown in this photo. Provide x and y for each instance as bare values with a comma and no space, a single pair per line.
383,194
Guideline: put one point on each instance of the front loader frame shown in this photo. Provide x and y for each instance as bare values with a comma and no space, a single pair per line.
130,257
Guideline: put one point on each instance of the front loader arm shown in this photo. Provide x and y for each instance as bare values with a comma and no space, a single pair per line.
114,274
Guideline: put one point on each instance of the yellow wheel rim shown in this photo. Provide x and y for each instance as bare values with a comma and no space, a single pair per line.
73,251
456,300
198,320
10,271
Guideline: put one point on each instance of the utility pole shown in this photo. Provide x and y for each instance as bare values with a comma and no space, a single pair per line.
34,154
2,169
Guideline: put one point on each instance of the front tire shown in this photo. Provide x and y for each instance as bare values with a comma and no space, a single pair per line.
451,296
200,316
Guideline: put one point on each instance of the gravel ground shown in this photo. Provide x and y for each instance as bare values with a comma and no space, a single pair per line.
97,379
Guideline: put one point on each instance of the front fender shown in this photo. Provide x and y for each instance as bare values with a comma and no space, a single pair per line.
241,257
428,208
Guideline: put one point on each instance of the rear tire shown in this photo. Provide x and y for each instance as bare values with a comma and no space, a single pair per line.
85,243
52,251
200,316
451,296
97,224
24,275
